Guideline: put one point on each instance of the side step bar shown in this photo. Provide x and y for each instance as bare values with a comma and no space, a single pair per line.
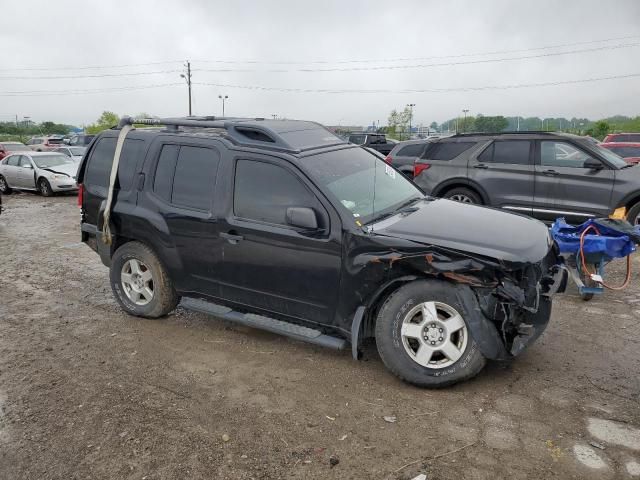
265,323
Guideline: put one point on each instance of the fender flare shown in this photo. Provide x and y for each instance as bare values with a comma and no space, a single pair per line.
464,181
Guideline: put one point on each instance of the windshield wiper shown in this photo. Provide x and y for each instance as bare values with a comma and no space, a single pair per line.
399,209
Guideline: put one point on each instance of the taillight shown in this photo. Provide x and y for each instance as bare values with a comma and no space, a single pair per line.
418,168
80,194
388,159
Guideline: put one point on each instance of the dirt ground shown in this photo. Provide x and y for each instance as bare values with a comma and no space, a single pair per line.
89,392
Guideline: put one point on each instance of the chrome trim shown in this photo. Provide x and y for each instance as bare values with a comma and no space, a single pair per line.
544,210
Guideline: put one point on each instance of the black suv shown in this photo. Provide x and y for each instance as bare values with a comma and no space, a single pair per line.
545,175
377,141
288,228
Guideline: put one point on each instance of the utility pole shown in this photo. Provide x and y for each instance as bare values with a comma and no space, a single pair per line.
410,105
187,77
518,123
464,123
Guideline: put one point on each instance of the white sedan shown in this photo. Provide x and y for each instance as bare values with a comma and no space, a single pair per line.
75,153
44,172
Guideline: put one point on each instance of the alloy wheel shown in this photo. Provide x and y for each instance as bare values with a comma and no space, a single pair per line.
434,334
461,198
137,282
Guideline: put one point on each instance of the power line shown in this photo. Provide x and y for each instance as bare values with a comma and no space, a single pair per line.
96,75
409,59
93,67
41,93
425,65
427,90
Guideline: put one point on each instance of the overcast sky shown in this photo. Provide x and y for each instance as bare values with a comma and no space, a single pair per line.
71,35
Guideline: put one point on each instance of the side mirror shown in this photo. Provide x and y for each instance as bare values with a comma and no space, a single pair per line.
302,217
593,164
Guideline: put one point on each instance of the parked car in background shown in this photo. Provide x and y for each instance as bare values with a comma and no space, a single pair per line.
377,141
45,172
43,144
622,137
403,156
9,147
81,140
545,175
630,151
75,153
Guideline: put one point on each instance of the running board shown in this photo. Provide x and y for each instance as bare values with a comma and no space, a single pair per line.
261,322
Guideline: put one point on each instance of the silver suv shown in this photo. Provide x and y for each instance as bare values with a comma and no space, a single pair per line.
545,175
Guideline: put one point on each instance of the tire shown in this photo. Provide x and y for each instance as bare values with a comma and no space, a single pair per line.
463,195
634,214
398,351
129,283
5,189
44,187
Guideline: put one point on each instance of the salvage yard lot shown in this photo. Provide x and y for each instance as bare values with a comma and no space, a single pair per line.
89,392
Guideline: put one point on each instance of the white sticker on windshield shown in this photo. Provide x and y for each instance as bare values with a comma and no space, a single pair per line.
389,171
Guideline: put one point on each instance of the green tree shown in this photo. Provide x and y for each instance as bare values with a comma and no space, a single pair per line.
600,129
490,124
399,124
106,121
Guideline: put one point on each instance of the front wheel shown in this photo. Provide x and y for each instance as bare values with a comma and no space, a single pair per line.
44,187
140,282
423,337
4,186
634,214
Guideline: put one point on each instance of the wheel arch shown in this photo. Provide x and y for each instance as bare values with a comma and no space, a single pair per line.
452,183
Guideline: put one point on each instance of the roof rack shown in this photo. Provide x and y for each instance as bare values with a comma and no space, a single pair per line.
513,132
244,131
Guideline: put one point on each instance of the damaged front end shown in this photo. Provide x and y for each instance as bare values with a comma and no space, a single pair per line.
507,304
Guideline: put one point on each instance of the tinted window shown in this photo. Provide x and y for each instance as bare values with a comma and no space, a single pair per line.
358,139
447,150
132,150
195,177
626,137
626,152
411,150
512,151
99,168
165,170
263,192
561,154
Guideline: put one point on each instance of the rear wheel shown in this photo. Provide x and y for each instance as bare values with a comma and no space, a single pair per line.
4,186
423,337
463,195
140,282
44,187
634,214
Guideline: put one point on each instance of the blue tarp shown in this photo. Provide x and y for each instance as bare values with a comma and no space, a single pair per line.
616,239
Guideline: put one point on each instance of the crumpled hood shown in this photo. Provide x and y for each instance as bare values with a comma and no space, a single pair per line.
469,228
70,169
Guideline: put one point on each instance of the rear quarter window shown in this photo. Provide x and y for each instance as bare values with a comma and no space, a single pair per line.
99,166
411,150
447,150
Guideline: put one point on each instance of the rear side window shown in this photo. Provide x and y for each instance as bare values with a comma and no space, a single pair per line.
99,168
263,192
132,150
186,175
447,150
515,152
195,177
13,160
411,150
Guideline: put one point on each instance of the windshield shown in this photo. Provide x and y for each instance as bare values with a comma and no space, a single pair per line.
350,175
14,147
626,152
77,150
610,156
48,161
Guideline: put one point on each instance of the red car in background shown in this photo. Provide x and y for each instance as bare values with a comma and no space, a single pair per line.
622,137
630,151
9,147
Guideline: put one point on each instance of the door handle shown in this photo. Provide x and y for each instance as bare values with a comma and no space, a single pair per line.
550,173
481,165
232,237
